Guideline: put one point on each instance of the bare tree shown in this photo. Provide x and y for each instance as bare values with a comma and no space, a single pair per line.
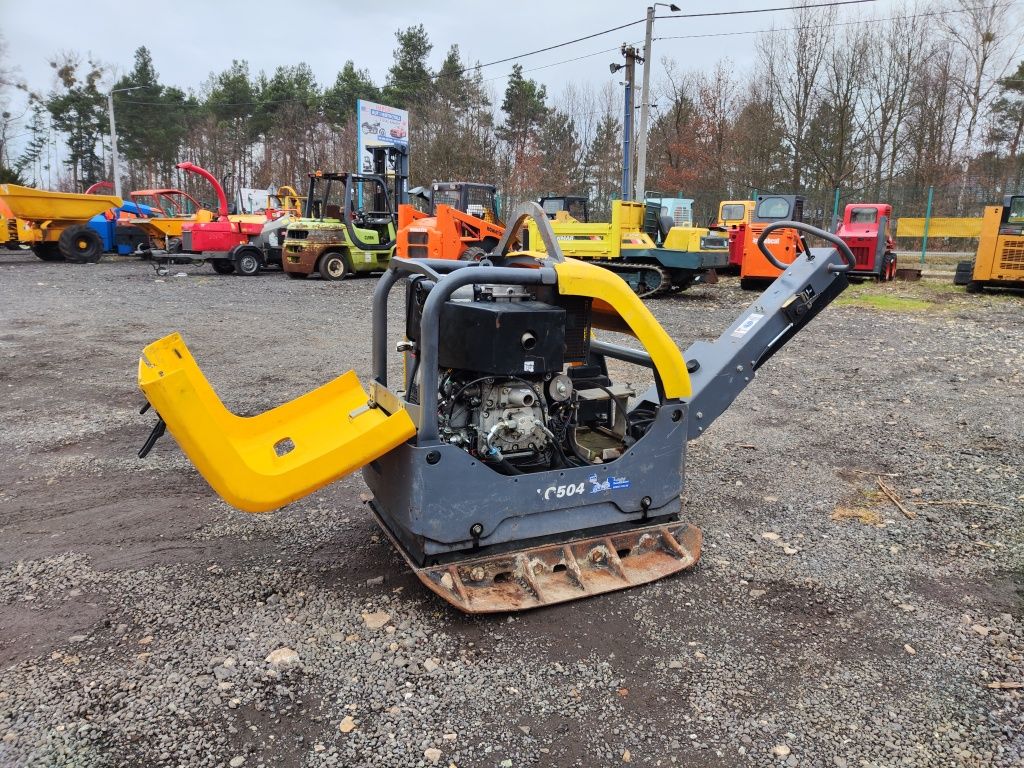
792,64
988,40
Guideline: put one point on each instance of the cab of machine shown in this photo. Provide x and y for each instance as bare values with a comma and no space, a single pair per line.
469,197
1013,215
576,207
779,208
171,203
734,213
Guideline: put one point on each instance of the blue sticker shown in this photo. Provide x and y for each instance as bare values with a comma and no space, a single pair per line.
608,484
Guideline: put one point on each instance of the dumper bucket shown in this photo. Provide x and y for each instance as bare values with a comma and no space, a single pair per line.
41,205
262,462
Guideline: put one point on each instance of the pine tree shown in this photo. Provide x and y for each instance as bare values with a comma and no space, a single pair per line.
78,110
525,113
350,85
410,83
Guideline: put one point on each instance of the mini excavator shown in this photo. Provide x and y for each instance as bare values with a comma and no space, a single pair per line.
507,466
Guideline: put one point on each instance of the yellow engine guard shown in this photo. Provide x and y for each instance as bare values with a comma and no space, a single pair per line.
263,462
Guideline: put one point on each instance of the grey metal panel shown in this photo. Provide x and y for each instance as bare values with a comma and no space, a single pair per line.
431,507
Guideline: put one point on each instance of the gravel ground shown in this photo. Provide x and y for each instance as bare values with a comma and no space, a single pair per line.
143,622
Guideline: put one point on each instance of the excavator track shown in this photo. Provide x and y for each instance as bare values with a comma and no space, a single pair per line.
557,573
645,279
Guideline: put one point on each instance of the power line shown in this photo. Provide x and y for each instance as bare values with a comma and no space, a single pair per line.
476,67
833,24
764,10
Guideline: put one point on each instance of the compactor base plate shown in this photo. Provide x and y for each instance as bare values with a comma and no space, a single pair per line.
559,572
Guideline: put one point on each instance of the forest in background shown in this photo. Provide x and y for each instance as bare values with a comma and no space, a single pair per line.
880,107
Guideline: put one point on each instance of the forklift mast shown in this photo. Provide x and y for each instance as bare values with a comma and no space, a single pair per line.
391,162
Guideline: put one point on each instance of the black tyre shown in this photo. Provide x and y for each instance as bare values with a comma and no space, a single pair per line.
974,287
174,245
296,275
222,266
964,273
81,244
48,252
334,266
747,284
248,262
473,253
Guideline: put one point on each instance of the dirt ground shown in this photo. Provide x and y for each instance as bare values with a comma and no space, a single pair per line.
822,627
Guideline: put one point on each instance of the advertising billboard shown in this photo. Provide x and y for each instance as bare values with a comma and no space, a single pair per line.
379,125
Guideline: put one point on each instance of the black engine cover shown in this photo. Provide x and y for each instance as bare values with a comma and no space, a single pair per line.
503,338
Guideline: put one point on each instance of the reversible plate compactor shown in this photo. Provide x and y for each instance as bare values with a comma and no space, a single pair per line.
506,463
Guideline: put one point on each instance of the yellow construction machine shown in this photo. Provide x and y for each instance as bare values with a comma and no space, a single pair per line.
625,245
999,261
508,466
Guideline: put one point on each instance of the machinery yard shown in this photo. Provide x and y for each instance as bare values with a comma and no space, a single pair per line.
859,600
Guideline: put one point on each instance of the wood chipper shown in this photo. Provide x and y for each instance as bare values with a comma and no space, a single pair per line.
508,466
56,224
866,229
999,261
756,270
243,243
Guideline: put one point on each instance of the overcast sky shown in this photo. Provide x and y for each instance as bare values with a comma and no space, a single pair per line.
189,39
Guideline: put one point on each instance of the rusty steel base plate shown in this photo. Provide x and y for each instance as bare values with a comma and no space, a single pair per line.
556,573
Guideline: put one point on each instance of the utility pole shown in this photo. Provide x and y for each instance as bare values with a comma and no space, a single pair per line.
113,143
627,117
645,105
113,136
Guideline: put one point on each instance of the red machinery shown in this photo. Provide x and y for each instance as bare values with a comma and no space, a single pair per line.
737,241
242,243
861,229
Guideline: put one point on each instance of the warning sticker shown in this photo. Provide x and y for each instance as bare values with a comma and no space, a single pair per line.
746,325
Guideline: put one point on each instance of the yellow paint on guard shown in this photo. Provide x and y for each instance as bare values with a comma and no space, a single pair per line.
263,462
578,278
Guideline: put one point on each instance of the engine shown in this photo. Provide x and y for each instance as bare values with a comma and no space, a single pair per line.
518,386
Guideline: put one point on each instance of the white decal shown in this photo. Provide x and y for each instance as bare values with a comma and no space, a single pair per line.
562,491
746,325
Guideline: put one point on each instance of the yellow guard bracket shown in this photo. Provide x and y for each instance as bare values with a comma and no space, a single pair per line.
579,278
263,462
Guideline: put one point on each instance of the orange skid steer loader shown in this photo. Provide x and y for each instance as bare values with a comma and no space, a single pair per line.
460,223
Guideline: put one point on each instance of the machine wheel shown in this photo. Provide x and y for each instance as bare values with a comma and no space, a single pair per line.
222,266
974,287
473,253
748,284
81,244
174,245
334,266
248,262
296,275
48,252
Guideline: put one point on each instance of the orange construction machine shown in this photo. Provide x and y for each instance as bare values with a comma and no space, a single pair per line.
461,223
784,244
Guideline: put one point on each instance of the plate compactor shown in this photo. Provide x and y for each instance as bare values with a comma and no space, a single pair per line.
507,466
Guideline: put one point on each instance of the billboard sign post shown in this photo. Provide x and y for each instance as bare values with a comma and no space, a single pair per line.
379,125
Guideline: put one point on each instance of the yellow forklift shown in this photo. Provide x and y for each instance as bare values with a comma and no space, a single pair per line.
999,262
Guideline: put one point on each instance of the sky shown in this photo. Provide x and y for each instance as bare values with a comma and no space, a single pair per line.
190,39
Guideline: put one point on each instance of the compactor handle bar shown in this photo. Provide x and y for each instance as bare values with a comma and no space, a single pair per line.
842,247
